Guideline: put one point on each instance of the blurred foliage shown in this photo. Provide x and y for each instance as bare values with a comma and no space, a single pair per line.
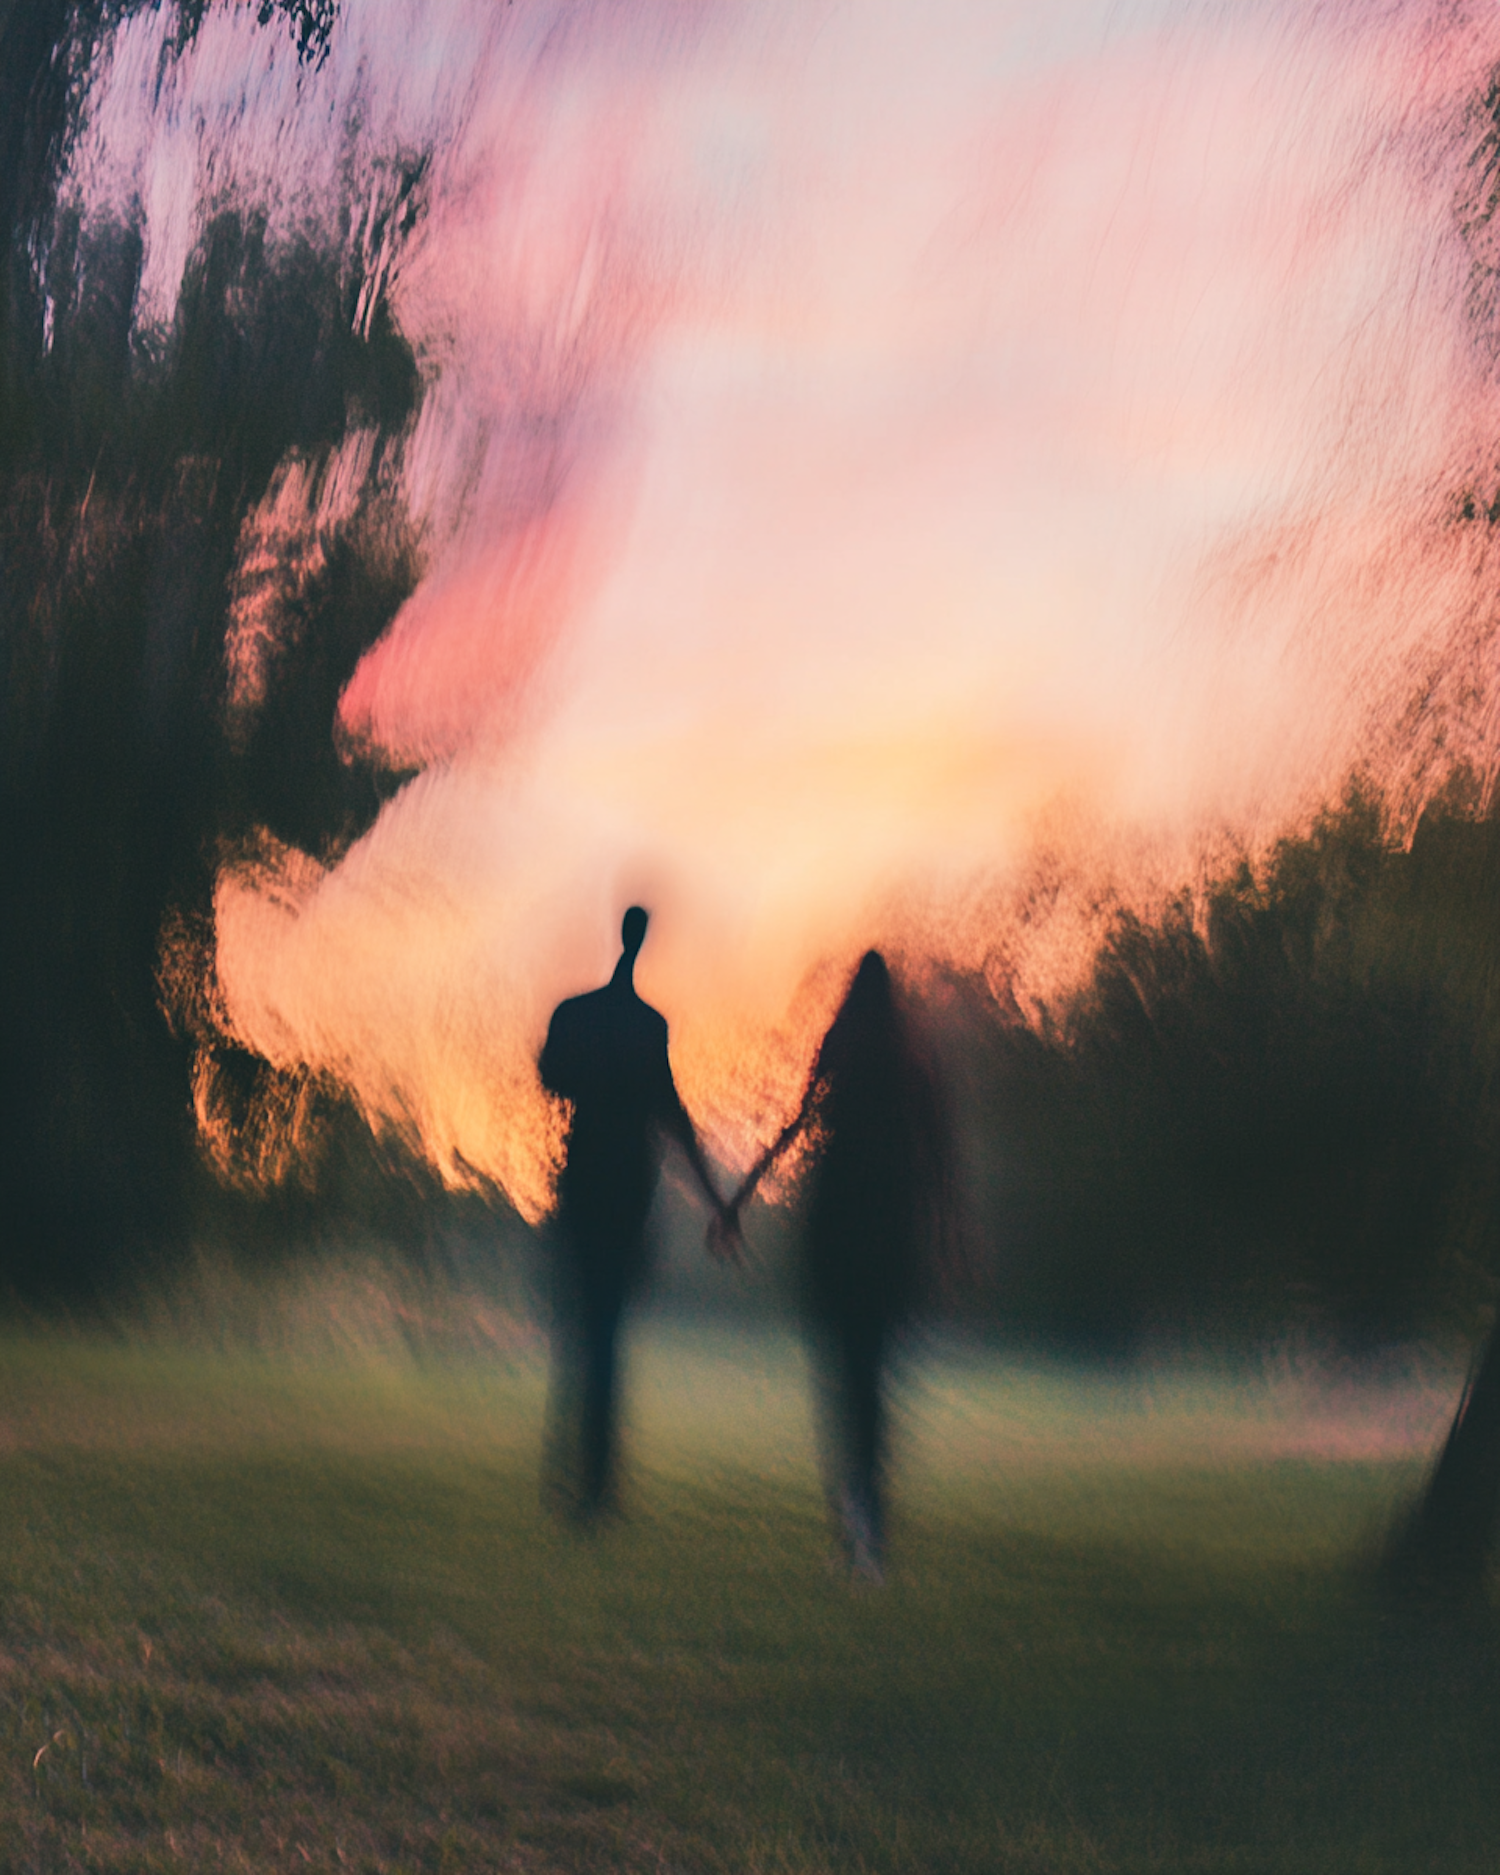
1275,1101
135,468
48,51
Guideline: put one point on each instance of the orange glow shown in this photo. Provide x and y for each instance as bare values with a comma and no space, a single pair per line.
897,478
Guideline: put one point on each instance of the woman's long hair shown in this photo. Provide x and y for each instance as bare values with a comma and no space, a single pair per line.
875,1221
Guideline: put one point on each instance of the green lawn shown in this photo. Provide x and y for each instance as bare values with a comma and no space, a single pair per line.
263,1614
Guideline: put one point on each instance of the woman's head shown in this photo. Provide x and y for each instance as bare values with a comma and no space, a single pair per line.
869,997
866,1020
872,975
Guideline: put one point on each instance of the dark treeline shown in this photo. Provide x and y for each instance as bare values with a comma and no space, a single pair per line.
1274,1103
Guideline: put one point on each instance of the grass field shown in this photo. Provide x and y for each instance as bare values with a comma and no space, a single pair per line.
265,1613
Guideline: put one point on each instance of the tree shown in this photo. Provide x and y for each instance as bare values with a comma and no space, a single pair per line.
131,770
1264,1104
1453,908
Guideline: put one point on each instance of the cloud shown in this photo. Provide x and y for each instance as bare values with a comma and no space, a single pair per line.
862,449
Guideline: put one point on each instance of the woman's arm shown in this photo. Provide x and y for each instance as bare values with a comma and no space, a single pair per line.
783,1139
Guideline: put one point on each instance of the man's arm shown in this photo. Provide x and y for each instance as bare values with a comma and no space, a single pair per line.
677,1125
724,1235
558,1062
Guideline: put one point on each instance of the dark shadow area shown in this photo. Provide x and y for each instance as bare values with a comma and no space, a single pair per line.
1272,1105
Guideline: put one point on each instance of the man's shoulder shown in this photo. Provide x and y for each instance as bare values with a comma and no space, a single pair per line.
647,1026
647,1016
605,1025
571,1039
578,1012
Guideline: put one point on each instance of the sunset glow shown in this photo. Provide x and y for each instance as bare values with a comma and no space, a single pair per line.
863,454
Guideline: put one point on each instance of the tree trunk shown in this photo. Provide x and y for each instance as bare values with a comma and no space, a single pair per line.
1448,1543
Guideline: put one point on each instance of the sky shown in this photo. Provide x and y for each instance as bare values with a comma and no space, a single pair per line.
887,473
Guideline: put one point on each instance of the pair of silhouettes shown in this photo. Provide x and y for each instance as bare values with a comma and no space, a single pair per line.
870,1116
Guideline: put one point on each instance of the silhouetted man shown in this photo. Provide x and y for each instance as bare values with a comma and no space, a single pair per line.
606,1053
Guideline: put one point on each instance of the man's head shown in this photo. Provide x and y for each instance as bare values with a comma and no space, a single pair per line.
633,931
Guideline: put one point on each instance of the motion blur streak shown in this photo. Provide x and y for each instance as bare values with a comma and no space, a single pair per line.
872,461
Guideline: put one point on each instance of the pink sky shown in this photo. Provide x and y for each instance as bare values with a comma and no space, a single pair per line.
864,448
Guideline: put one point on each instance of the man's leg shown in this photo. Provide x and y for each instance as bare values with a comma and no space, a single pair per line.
562,1457
599,1427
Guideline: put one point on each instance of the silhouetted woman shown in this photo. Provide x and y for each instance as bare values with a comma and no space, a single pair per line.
871,1116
